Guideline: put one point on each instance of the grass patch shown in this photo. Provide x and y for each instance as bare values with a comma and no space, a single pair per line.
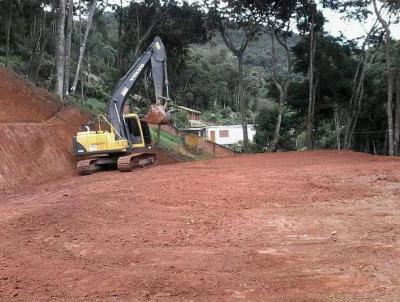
91,105
167,140
14,62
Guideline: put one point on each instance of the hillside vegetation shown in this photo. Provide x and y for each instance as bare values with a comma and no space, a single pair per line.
343,105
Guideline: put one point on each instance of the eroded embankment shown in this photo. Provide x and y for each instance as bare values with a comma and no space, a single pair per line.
35,134
36,153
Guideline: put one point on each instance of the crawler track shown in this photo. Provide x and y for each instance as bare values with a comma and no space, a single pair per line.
129,162
124,163
87,166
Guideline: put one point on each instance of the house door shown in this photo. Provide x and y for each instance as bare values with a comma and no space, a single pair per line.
212,136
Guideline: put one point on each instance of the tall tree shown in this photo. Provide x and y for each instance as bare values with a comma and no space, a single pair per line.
60,48
8,29
386,12
231,19
365,60
388,51
138,23
276,17
68,43
311,81
82,48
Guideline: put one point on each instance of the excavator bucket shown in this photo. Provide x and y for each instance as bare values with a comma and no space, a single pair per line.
156,115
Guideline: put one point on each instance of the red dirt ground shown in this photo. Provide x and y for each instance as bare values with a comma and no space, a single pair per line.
307,226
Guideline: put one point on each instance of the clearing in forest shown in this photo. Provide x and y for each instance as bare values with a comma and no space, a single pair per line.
306,226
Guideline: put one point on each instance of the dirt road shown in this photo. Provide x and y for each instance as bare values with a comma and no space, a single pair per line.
313,226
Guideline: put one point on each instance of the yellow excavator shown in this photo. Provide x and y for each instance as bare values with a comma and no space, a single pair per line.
124,140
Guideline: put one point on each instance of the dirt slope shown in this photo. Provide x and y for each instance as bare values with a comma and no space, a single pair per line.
23,102
35,134
312,226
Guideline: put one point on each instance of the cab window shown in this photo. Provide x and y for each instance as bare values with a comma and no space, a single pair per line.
134,130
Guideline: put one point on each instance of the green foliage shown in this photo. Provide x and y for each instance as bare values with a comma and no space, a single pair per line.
14,62
265,127
203,72
180,119
222,116
326,138
94,106
208,79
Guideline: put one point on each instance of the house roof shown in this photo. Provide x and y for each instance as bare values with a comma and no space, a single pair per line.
192,129
188,109
229,126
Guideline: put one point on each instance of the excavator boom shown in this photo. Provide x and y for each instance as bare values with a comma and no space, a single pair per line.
155,54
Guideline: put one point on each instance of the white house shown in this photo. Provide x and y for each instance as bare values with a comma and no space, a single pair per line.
229,135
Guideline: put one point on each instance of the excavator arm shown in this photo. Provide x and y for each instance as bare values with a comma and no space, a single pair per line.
155,55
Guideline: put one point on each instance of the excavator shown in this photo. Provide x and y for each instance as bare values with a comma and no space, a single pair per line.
124,140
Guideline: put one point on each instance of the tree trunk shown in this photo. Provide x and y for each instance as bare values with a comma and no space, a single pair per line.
311,96
82,88
38,38
42,45
390,95
277,131
238,52
356,91
388,54
8,32
338,122
83,45
120,20
242,104
282,87
397,118
68,49
34,44
60,48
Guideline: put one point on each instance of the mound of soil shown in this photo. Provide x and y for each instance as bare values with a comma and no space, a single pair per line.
35,134
23,102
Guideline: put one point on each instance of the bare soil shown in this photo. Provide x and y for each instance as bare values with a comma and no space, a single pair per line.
21,101
307,226
35,134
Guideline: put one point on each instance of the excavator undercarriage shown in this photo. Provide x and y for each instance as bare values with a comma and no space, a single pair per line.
124,163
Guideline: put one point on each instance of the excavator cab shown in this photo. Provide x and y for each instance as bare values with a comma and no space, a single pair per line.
138,131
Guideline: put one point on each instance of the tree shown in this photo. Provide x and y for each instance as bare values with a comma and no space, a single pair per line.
139,20
8,29
181,26
68,42
311,82
82,48
276,17
390,8
333,60
232,17
388,38
365,60
60,48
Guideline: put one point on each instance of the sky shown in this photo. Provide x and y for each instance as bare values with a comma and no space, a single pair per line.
352,29
335,24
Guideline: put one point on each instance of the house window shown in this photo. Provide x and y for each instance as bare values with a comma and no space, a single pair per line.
223,133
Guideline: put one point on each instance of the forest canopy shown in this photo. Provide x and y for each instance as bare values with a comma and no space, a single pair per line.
267,63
